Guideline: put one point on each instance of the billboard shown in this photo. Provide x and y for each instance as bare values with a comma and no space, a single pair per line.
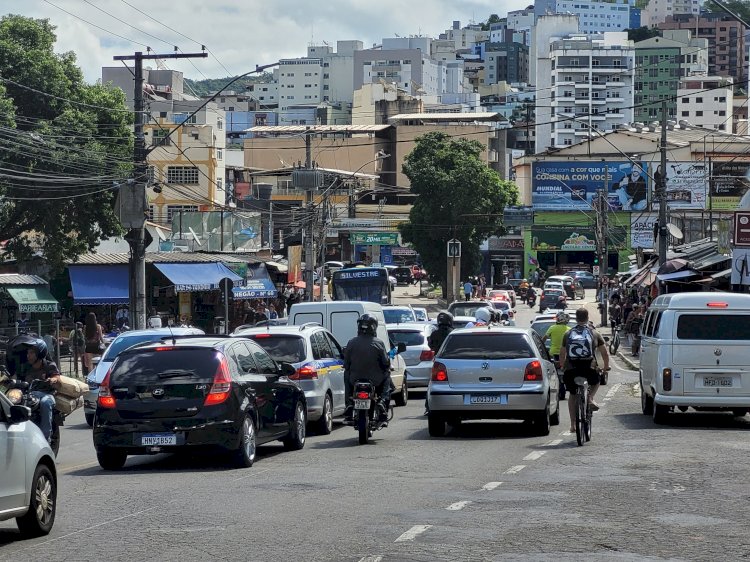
729,186
642,230
686,184
572,185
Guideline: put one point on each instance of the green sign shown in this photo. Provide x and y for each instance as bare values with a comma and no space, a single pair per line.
375,238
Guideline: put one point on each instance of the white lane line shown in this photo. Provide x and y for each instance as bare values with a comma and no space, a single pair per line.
458,506
371,559
554,443
566,433
491,485
515,469
613,390
413,533
534,455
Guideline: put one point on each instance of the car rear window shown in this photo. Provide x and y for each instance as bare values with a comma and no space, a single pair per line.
172,364
421,315
501,305
466,309
486,346
125,342
290,349
541,327
408,338
715,327
398,316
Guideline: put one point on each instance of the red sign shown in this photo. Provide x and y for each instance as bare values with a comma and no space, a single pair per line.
742,228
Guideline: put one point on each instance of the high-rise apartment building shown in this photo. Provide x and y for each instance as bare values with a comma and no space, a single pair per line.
595,16
657,11
706,101
506,62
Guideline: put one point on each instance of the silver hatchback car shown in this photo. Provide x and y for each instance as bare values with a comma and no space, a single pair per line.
418,355
319,361
493,373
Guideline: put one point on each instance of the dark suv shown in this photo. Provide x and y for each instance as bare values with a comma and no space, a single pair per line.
403,275
204,392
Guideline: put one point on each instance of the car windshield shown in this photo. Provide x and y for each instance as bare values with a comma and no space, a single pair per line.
501,305
398,315
407,337
714,327
466,309
486,346
127,341
151,366
421,315
290,349
552,292
541,327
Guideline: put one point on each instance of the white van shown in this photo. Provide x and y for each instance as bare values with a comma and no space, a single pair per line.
340,318
694,353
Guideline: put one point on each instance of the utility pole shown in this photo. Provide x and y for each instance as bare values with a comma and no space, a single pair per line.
601,207
663,188
133,203
309,241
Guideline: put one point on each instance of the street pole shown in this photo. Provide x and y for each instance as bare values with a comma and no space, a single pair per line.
601,208
309,248
663,188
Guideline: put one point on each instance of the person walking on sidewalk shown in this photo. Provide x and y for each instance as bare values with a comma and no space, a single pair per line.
468,290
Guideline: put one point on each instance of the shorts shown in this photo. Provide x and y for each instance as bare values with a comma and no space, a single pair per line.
592,376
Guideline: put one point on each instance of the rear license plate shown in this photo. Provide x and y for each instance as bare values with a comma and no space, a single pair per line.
717,381
488,399
159,439
361,404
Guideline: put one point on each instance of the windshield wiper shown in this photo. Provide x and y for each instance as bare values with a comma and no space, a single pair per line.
176,373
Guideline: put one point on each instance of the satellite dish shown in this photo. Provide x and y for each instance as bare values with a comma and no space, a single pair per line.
195,236
674,231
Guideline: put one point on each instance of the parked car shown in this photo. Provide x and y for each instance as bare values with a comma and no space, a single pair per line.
197,393
319,363
421,314
549,298
28,488
585,278
572,288
403,275
495,373
418,355
120,344
398,314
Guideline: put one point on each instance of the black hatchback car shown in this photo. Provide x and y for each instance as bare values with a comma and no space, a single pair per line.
191,393
403,275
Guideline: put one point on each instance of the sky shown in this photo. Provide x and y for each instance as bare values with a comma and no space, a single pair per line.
239,33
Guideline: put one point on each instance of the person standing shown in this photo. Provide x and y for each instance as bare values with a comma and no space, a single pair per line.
94,342
468,289
535,278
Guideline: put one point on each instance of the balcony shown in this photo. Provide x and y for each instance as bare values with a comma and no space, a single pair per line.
617,99
583,84
598,117
582,101
598,101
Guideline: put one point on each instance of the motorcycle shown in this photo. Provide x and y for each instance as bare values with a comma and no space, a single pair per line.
366,411
20,393
531,297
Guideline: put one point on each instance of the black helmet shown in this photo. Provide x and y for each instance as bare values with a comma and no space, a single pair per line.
367,325
445,319
38,345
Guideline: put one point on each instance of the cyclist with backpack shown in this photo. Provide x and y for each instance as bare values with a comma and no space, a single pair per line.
578,356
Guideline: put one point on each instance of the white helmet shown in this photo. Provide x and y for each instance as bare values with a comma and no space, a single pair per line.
483,315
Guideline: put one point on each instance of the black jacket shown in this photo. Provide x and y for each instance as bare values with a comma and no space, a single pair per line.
437,337
365,358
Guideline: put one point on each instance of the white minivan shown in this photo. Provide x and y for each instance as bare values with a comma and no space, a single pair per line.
695,354
340,318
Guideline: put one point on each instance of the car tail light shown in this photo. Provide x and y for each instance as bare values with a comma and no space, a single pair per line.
666,376
221,386
717,305
105,398
305,373
439,372
363,395
533,372
164,348
261,336
427,355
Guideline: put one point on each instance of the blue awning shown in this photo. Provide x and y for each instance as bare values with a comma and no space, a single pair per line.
258,285
196,276
99,284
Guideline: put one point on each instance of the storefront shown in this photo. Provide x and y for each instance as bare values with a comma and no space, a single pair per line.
26,303
505,258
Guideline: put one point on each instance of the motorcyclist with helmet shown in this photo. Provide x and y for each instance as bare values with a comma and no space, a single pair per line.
523,289
482,317
555,334
365,358
436,339
41,368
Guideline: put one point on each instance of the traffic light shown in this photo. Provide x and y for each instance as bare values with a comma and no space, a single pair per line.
596,260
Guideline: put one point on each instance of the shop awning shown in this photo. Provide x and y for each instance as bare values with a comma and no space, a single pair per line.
196,276
99,284
685,273
33,299
258,285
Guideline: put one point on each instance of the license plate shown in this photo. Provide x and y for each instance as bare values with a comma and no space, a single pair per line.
717,381
489,399
361,404
159,439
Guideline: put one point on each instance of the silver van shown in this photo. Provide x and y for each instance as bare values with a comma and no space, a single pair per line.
695,354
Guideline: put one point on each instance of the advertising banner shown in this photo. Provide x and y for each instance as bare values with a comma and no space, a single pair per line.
573,185
686,185
375,238
729,186
642,230
563,239
295,264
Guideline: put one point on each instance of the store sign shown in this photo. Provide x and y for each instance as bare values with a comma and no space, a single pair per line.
642,230
375,238
518,216
38,307
742,229
399,251
573,185
571,239
495,244
730,183
686,185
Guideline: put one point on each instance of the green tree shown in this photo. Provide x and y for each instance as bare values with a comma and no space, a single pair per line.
739,7
458,196
494,18
64,146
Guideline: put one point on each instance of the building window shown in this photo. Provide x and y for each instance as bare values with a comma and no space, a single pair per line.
699,114
185,175
219,154
159,137
220,124
698,100
220,184
173,211
325,87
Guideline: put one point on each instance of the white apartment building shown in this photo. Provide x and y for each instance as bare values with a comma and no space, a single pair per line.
465,38
708,109
597,16
657,11
522,21
266,94
592,87
300,82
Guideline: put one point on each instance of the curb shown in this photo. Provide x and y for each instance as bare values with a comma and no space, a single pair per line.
629,362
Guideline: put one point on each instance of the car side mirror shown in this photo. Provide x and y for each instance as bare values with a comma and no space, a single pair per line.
19,414
401,347
286,369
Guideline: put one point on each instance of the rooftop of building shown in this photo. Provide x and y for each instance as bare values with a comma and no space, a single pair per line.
293,129
448,117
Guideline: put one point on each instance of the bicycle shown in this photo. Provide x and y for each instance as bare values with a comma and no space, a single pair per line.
614,343
583,411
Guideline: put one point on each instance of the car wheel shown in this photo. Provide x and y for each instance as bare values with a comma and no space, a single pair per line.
436,425
659,413
554,419
90,419
40,517
647,403
542,422
111,459
244,456
324,425
296,439
402,397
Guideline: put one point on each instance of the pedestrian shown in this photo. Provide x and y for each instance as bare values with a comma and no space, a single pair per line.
535,278
518,274
272,314
77,344
468,289
51,342
94,342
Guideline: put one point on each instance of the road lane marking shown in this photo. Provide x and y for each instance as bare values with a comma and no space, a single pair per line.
491,485
371,559
534,455
70,469
554,443
515,469
458,506
413,533
613,390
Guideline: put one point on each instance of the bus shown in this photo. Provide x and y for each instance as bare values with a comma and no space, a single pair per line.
369,284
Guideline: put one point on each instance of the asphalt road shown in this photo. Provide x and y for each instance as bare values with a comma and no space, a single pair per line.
487,491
